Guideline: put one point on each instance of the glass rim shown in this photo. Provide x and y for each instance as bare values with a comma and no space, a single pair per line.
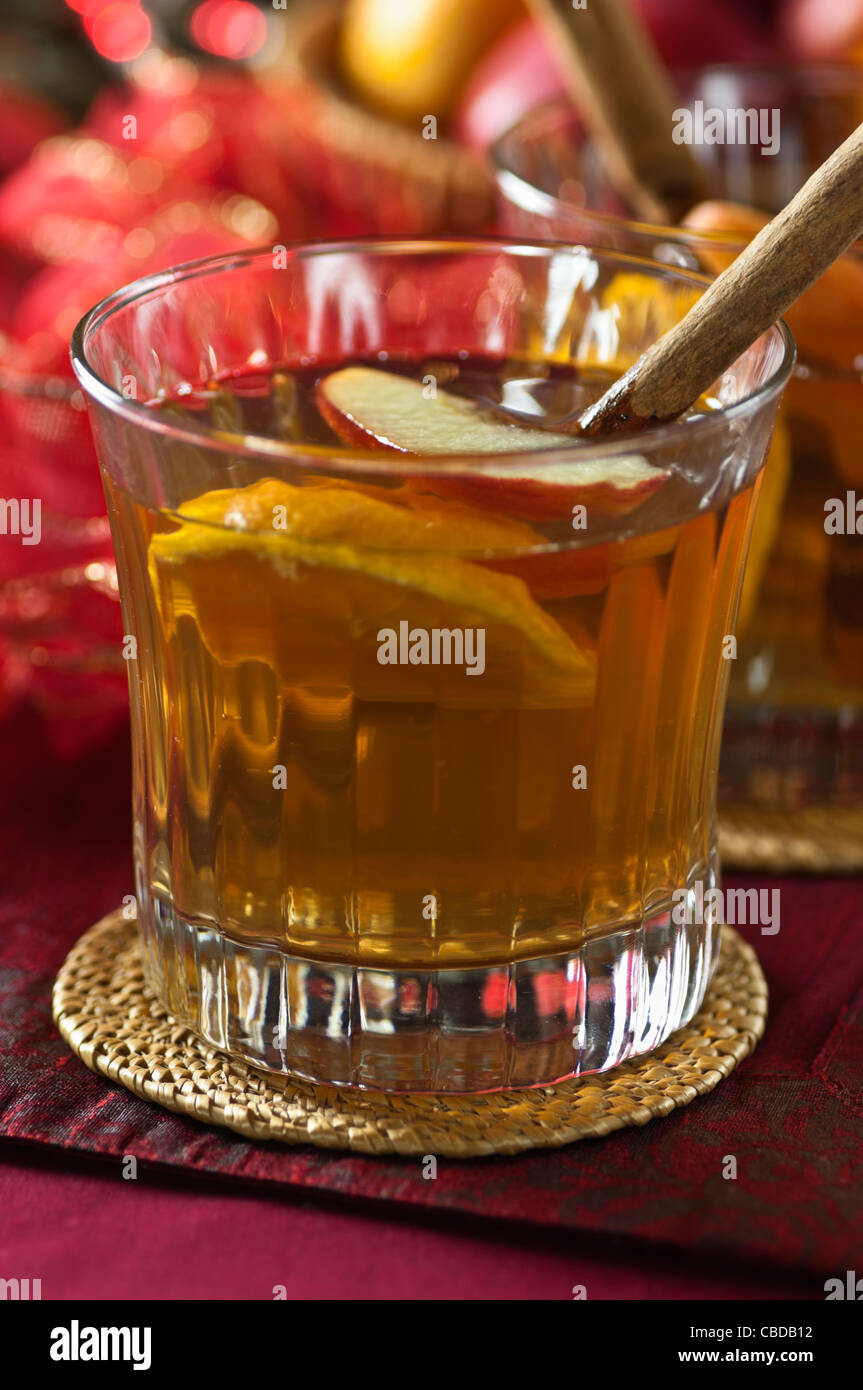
538,200
365,460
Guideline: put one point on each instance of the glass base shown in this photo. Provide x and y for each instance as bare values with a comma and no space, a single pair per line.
528,1023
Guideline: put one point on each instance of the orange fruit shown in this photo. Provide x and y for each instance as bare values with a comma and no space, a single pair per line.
409,58
306,579
826,320
737,223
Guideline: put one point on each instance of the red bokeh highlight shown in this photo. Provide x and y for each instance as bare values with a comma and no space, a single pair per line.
120,31
89,9
229,28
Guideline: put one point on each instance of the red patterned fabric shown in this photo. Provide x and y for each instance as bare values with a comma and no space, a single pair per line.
792,1115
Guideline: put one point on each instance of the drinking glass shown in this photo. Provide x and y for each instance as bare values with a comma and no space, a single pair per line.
425,743
793,747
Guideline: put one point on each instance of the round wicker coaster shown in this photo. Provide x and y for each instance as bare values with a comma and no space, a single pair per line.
817,839
110,1019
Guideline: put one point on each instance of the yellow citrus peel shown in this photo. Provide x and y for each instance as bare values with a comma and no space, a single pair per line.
268,570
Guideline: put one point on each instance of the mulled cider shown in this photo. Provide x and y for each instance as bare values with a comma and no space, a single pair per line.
427,693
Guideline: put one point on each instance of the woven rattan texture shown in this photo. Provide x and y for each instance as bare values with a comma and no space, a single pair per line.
110,1019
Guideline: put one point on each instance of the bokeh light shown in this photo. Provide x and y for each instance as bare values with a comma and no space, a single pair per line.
88,9
229,28
119,31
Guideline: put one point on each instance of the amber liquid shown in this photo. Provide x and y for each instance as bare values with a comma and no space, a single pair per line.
804,646
423,816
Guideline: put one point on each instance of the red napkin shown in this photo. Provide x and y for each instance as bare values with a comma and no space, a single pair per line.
792,1115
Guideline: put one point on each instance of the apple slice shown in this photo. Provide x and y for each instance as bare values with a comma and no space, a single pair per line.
383,410
367,406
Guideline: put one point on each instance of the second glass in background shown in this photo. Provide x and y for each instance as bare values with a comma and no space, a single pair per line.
794,728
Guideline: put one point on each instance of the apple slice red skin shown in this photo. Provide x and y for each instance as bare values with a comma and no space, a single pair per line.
518,495
559,574
349,429
548,575
530,499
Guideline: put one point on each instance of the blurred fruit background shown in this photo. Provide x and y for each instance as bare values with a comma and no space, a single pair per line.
135,136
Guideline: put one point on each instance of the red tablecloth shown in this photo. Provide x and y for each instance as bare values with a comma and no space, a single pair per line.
88,1234
643,1214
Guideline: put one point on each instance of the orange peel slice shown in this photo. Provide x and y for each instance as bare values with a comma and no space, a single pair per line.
304,578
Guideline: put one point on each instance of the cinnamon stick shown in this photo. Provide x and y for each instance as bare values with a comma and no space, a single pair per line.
617,81
782,262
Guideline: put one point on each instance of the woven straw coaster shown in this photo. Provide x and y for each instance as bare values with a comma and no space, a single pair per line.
815,839
111,1020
